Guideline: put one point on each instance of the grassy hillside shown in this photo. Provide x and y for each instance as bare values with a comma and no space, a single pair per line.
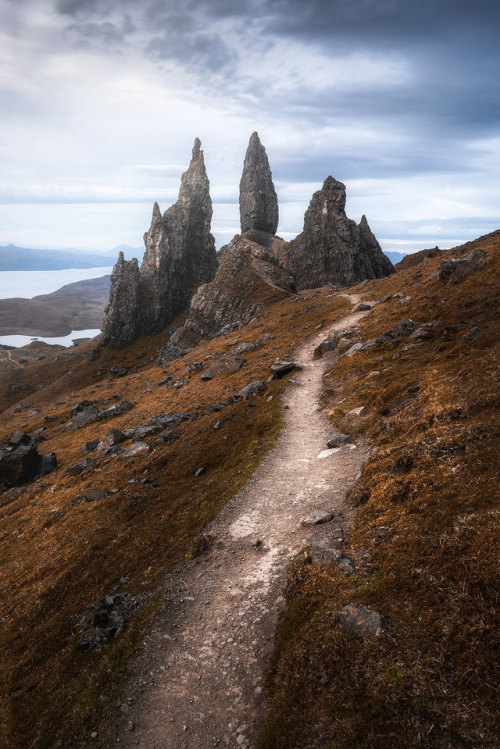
425,539
59,553
423,542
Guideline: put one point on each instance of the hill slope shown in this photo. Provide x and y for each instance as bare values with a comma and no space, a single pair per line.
424,538
422,545
76,306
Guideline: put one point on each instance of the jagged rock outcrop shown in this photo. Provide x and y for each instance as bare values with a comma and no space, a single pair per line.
179,256
332,248
249,277
119,326
258,200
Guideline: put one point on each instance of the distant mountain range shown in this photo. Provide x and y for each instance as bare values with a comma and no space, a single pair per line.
23,258
395,257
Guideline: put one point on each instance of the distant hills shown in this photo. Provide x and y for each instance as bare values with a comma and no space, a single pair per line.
23,258
395,257
76,306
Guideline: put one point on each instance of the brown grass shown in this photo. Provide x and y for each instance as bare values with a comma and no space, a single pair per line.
429,522
56,558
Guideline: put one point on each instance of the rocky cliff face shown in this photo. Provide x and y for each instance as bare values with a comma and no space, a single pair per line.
258,200
332,248
180,255
119,325
248,278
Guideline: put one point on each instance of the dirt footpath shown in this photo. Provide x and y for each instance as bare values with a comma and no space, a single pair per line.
199,682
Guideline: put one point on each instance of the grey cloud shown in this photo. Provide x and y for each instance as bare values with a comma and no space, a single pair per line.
203,52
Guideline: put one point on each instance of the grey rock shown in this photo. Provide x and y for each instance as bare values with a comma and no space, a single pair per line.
47,463
354,349
362,307
88,416
17,387
457,269
281,368
244,348
19,438
179,256
171,419
258,200
322,555
94,496
111,438
249,277
146,430
21,464
332,248
170,437
361,621
329,344
317,517
77,468
338,441
89,446
225,365
250,390
420,334
135,449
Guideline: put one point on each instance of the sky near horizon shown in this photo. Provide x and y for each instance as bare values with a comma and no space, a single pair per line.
101,101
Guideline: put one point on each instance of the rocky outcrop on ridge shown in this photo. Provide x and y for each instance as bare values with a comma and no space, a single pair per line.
332,248
249,278
179,256
120,323
258,200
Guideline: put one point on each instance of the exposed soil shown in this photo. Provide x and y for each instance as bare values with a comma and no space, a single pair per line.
199,681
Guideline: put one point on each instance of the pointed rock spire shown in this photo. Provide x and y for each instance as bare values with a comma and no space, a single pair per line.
179,256
332,248
258,200
119,326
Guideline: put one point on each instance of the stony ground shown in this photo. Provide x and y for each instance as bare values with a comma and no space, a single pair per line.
199,680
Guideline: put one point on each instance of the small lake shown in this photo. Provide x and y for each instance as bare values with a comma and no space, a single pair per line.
65,340
29,283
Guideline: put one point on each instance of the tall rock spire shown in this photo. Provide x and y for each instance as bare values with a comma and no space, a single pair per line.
179,256
332,248
119,325
258,200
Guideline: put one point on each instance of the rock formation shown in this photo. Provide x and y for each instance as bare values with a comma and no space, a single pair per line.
119,326
249,277
332,248
179,256
258,200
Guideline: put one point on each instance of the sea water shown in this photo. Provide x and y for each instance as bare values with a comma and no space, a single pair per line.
26,284
65,340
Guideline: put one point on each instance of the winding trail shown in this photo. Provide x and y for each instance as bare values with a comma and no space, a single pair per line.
199,681
9,358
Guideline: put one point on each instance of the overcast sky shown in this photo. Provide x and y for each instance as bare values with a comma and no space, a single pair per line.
101,101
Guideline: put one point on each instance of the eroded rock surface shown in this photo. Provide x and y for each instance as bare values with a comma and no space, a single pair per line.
332,248
249,277
258,200
179,256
